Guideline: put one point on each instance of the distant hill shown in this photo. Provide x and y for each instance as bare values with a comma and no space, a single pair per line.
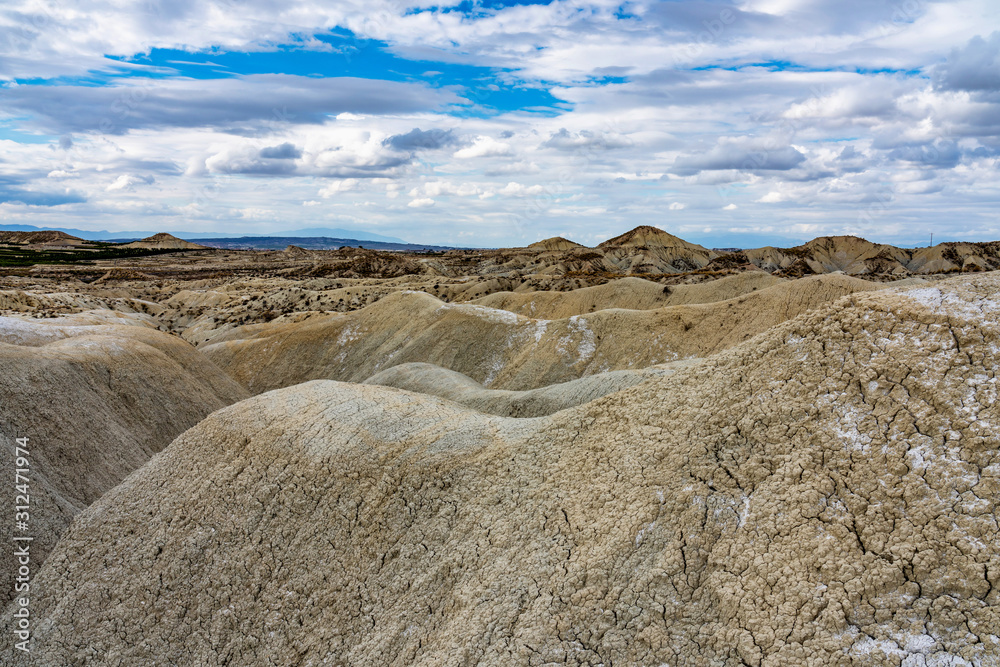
555,243
40,238
103,235
166,241
312,243
335,233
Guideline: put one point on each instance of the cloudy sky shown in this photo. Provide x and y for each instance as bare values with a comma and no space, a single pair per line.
499,123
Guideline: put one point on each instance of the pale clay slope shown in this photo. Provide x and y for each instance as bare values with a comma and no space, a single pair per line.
629,293
24,302
436,381
824,493
503,350
96,402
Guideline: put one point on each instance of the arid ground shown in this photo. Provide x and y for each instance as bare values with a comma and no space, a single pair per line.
643,453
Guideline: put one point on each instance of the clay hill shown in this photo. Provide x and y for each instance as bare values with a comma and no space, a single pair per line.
821,491
41,240
97,399
165,241
555,244
857,256
651,252
510,351
436,381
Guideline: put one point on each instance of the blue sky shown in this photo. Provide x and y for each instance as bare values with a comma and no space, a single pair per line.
499,123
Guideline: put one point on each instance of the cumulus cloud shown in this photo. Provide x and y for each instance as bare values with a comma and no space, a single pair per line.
941,154
974,67
336,187
772,198
740,154
423,202
127,183
417,139
285,151
246,159
520,190
565,140
439,188
484,147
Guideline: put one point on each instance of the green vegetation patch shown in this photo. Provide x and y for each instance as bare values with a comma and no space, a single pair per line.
19,256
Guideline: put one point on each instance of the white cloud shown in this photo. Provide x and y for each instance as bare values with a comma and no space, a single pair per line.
252,213
636,127
439,188
336,187
127,183
484,147
677,206
520,190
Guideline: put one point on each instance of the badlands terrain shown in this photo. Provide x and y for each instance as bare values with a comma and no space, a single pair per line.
642,453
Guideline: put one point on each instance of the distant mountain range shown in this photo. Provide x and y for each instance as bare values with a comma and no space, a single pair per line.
312,243
310,232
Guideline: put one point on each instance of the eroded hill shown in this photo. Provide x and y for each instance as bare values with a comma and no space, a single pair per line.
96,400
503,350
822,493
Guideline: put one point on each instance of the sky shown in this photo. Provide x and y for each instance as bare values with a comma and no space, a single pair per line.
492,122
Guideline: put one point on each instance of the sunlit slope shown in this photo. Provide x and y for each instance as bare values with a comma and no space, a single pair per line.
630,293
